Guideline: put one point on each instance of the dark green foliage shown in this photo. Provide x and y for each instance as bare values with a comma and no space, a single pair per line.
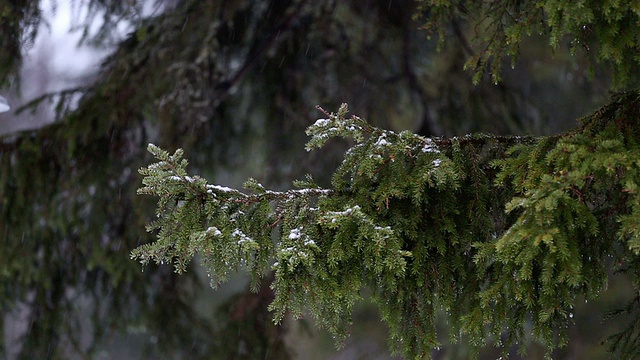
18,24
421,222
71,273
601,30
627,341
67,196
577,216
412,214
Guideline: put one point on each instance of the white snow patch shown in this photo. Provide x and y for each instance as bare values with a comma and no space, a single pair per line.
243,237
382,141
430,147
295,234
157,165
214,230
322,122
347,211
220,188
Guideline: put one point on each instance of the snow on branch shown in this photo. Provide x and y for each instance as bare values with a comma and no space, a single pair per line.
499,232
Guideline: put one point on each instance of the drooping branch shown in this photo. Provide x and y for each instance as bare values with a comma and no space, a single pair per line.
422,222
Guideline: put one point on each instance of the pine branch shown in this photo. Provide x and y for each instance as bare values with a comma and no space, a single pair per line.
422,222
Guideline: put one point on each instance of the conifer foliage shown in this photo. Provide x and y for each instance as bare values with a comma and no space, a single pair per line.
500,233
603,31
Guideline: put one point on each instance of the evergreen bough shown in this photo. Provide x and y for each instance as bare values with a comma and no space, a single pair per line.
500,233
603,31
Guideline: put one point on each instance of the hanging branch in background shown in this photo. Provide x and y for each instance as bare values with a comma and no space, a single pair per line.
602,31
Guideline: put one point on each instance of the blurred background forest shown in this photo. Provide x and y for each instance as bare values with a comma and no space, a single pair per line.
234,83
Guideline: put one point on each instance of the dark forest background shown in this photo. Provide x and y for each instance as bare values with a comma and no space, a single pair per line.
234,83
